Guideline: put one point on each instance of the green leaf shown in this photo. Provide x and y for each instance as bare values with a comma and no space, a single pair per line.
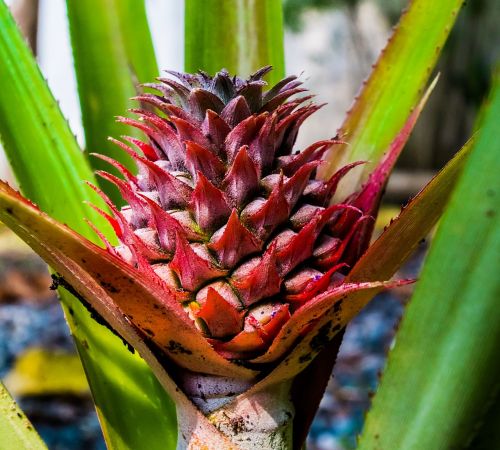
241,36
443,372
41,149
50,168
113,53
16,430
393,88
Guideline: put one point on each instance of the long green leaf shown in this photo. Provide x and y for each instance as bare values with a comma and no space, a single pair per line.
393,88
443,372
16,430
239,35
41,149
50,168
113,53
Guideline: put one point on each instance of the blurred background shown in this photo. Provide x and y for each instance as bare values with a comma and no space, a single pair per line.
333,43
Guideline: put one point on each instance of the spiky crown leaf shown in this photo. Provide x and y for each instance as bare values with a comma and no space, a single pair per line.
224,214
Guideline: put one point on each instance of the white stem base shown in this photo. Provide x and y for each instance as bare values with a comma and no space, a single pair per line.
261,421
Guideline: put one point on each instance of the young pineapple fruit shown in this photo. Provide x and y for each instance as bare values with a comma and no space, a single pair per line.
225,215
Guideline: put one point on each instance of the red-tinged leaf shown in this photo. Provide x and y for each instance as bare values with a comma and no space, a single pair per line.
291,163
242,344
322,192
280,315
262,280
314,285
191,266
242,134
400,239
146,129
101,236
278,99
369,197
201,159
266,216
262,148
304,318
167,226
333,257
294,186
118,166
173,192
288,128
148,151
296,284
261,326
236,111
140,215
216,128
189,132
200,100
289,82
173,91
165,136
109,285
301,245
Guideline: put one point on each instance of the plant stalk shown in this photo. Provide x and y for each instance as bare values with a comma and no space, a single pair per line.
261,420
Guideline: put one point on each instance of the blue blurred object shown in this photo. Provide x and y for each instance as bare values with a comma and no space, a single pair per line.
356,374
23,325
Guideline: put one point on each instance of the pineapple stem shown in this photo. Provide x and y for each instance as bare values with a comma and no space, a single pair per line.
261,420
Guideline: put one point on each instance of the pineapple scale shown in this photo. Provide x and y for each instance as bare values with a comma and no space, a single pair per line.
223,213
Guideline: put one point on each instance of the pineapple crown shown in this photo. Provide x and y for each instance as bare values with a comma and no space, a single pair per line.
224,216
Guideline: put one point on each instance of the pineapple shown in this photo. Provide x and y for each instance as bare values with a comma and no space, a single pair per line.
223,212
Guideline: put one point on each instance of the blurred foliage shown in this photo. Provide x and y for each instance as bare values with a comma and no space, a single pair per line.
293,9
466,65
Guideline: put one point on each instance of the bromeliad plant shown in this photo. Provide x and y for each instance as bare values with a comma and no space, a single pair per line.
237,265
229,253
